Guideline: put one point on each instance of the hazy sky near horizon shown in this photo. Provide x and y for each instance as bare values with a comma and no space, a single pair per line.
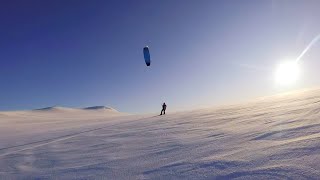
79,53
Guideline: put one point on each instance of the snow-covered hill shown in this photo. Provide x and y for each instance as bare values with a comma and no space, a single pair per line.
275,137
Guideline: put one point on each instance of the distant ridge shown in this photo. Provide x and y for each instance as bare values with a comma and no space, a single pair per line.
53,108
99,108
59,108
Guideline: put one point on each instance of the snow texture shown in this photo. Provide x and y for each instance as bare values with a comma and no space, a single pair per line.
275,137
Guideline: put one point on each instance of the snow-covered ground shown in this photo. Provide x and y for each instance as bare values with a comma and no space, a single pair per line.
276,137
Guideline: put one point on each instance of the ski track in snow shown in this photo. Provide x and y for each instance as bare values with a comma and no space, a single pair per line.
276,137
44,142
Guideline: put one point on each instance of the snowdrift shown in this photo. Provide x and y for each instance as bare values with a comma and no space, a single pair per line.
276,137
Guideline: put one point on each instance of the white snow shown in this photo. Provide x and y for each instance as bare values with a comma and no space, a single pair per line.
276,137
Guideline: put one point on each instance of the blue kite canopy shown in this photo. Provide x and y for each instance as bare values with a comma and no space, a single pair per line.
146,55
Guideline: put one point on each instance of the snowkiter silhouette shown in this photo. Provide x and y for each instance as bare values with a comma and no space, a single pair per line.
164,107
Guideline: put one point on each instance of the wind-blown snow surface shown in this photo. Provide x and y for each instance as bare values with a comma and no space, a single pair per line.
272,138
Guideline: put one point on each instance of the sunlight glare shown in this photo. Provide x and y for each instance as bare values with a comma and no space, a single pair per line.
287,73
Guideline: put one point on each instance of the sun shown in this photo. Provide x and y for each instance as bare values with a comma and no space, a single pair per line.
287,73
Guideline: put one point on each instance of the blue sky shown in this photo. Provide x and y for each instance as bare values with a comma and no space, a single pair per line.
79,53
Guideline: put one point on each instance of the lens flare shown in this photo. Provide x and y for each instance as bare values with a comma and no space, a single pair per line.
314,40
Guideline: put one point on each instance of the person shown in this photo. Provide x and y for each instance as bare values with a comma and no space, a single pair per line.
164,107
